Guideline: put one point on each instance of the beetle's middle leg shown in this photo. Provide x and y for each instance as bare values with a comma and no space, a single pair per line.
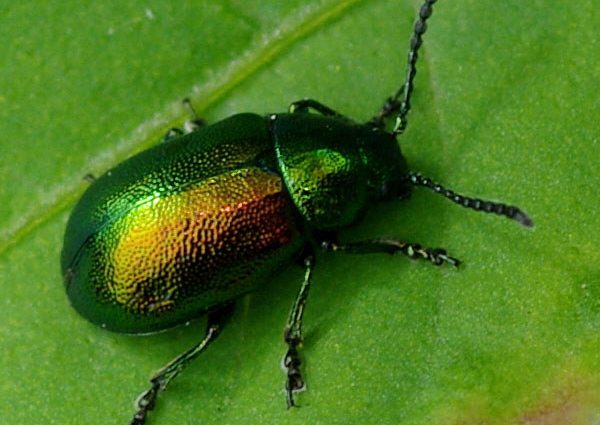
437,256
147,400
293,335
304,105
191,125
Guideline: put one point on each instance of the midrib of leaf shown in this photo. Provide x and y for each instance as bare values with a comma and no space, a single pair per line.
305,21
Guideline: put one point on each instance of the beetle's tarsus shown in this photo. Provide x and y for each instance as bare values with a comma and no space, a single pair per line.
89,177
189,126
294,383
293,334
195,122
438,257
173,133
193,125
147,400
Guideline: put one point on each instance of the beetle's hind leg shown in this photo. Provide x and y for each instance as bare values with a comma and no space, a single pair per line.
304,105
436,256
191,125
147,400
293,335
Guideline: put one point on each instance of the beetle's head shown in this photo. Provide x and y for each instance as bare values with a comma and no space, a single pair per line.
386,167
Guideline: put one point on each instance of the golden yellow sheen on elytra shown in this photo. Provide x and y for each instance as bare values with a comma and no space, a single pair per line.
191,233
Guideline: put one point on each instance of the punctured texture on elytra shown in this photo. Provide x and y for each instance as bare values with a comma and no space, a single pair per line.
181,231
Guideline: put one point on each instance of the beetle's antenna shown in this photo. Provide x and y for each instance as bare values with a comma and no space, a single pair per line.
509,211
393,104
413,54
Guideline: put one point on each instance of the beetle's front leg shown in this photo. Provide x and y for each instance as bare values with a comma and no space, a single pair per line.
304,105
293,335
437,256
147,400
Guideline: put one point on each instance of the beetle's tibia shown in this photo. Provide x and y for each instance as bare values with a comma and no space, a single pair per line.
436,256
304,105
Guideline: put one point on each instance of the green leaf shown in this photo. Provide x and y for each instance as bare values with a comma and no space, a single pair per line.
506,107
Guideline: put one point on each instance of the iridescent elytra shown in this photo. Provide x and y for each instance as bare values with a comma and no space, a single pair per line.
187,227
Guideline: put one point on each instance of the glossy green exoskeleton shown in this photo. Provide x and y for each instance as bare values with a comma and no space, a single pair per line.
187,227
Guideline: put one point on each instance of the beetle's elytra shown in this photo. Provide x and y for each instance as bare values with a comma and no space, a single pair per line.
188,226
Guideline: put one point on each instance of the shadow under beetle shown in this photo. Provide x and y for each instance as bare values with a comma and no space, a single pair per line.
188,226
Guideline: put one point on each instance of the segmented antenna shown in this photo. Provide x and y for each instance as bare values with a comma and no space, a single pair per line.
413,54
509,211
393,104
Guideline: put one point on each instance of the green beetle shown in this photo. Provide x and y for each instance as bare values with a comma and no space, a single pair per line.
188,226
